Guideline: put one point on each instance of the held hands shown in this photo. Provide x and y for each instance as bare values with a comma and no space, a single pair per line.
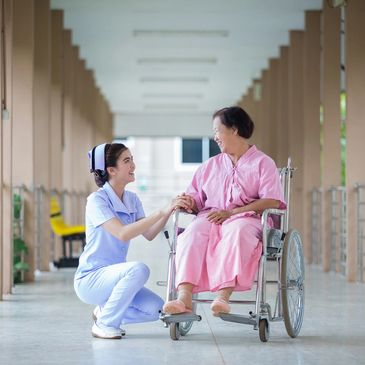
219,216
185,202
180,202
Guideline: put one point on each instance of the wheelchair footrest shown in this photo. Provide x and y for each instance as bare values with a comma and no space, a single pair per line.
181,317
238,318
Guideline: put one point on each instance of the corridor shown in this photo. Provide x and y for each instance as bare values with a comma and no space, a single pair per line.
45,323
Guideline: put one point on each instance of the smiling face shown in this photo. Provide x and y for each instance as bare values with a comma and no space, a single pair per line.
225,137
123,172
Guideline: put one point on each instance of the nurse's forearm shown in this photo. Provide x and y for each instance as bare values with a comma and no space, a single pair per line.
129,231
257,206
133,230
153,231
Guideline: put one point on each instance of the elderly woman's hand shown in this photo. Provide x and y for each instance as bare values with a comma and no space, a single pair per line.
219,216
186,202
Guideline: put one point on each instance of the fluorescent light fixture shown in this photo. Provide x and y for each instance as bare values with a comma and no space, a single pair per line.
179,33
170,106
172,96
202,80
176,60
336,3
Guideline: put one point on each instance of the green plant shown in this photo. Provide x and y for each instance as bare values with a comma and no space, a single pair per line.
17,205
19,250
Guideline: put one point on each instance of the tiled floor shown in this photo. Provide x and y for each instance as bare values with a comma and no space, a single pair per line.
45,323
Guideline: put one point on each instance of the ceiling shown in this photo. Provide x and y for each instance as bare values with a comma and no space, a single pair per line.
169,57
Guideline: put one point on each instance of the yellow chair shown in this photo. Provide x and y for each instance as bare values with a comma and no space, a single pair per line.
67,233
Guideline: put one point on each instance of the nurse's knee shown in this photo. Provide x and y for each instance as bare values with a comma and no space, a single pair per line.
139,271
155,306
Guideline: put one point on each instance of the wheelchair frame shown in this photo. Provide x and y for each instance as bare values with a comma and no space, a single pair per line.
289,304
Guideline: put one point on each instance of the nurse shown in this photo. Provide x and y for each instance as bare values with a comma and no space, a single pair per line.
220,250
113,217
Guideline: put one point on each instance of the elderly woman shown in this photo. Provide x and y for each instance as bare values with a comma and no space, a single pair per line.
220,250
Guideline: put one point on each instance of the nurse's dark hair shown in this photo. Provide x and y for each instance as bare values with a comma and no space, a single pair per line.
236,117
112,153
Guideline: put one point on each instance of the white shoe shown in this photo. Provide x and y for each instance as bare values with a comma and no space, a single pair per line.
101,331
96,313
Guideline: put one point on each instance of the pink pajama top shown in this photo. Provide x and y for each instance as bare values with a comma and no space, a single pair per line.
217,184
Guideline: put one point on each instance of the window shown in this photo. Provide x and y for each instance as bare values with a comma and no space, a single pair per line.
192,150
197,150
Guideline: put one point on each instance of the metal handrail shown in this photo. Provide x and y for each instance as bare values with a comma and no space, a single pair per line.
338,222
40,217
316,225
360,209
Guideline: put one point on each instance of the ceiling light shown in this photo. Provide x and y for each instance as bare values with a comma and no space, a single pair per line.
169,95
170,106
336,3
176,60
175,79
179,33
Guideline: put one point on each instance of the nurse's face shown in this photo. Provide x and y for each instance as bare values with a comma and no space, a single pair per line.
223,135
124,171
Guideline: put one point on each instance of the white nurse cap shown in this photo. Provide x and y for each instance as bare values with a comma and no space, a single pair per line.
97,158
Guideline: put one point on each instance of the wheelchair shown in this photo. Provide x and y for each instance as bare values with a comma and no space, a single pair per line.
279,244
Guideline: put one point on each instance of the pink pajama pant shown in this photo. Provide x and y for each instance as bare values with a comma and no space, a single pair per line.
213,257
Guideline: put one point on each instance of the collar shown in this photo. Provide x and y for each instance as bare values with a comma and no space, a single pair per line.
126,205
252,149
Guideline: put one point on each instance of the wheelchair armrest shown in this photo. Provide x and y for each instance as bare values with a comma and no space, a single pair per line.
267,212
178,212
264,221
175,220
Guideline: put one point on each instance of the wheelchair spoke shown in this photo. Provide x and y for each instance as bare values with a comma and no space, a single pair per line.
293,290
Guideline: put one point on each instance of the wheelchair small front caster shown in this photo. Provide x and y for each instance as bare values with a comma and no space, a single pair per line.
264,330
174,331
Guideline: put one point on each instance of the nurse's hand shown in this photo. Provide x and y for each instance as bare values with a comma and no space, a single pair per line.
172,206
219,216
186,202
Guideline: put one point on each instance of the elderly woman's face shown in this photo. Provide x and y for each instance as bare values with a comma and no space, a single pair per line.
223,135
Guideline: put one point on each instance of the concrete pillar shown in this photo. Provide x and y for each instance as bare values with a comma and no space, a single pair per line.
23,123
283,108
295,103
69,116
248,104
6,229
265,114
273,108
2,75
331,150
258,104
89,125
311,121
355,122
56,136
42,114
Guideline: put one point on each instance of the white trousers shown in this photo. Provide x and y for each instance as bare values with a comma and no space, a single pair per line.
119,291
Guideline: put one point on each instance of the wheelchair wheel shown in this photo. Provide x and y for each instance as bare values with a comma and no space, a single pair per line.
264,330
185,327
292,281
175,331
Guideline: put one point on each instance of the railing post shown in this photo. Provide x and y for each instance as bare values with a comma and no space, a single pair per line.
316,225
338,229
360,204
